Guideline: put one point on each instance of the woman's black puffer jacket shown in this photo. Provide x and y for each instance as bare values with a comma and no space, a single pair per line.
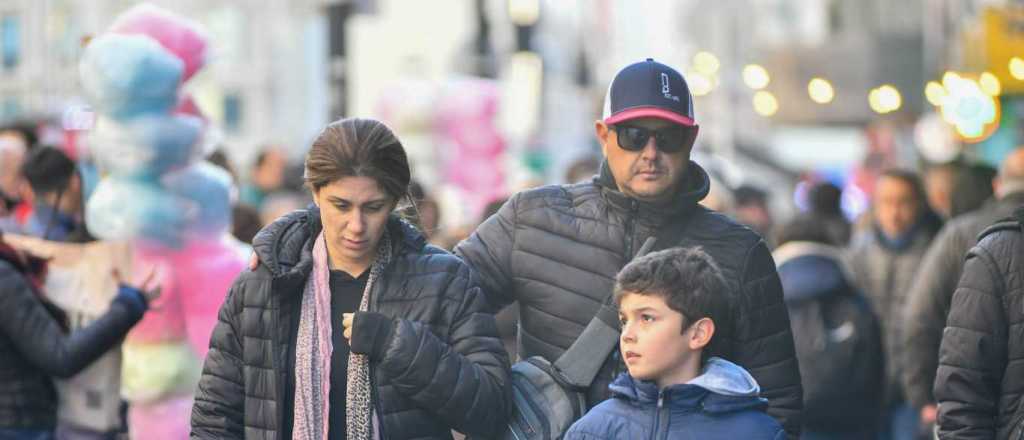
445,367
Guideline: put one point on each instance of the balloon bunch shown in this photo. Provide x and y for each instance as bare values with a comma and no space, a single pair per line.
149,137
149,140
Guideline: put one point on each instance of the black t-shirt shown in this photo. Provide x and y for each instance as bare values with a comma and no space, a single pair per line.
346,293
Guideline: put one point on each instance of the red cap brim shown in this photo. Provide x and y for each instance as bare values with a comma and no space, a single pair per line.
649,112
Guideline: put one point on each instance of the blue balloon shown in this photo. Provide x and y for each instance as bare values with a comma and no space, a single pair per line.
148,146
208,188
126,76
125,209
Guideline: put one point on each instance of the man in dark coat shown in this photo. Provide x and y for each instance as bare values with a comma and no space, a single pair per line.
555,250
980,381
932,290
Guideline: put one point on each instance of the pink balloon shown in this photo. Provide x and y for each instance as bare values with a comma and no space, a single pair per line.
166,419
208,269
195,280
165,320
179,35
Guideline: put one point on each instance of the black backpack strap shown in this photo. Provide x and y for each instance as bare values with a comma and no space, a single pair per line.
582,361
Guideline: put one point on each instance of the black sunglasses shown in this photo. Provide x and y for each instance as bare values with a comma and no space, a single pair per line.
669,139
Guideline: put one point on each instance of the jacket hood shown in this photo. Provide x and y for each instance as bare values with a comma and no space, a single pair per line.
695,187
723,387
811,271
286,248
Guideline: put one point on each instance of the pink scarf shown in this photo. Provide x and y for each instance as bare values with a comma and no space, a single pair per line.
313,356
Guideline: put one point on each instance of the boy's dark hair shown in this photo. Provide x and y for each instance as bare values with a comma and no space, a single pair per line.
688,279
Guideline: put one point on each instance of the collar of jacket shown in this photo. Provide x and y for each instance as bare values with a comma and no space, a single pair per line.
738,391
696,185
287,249
1011,200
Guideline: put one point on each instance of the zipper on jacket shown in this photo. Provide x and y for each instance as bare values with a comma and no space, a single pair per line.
630,226
656,433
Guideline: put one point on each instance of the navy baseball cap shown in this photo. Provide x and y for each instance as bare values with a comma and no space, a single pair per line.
649,89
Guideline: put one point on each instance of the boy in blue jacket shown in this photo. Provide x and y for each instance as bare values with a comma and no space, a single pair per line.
669,304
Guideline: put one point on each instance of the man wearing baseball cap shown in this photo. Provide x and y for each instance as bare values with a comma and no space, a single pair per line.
555,250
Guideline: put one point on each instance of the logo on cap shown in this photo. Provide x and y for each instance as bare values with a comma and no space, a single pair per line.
665,90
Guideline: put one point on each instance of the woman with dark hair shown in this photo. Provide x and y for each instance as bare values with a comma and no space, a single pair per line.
351,326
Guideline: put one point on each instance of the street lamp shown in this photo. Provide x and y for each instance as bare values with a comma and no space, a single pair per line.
755,76
820,90
765,103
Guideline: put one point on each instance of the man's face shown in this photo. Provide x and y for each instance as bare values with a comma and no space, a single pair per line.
896,206
648,174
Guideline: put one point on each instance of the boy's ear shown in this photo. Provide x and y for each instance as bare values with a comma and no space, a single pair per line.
703,330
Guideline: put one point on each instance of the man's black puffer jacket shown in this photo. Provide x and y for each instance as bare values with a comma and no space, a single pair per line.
556,250
443,368
980,381
932,290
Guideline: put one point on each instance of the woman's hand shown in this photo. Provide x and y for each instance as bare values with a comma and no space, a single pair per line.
149,293
346,322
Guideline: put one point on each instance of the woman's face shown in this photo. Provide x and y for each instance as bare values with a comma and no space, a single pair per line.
354,211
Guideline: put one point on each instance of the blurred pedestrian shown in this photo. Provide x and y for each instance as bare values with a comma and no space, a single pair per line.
428,212
932,290
980,381
352,326
971,188
583,168
266,176
885,258
751,208
837,335
939,181
58,208
12,182
824,200
35,345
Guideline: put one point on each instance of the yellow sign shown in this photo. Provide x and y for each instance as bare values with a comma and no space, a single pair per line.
1002,40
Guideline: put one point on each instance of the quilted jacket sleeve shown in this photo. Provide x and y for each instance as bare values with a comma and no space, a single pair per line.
463,380
38,337
219,409
764,340
973,354
489,252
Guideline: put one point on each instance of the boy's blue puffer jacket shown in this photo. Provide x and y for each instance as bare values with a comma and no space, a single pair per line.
721,403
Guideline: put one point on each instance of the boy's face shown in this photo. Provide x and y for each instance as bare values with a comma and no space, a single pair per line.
653,344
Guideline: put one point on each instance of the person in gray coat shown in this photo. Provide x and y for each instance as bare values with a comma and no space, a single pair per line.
932,290
884,259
